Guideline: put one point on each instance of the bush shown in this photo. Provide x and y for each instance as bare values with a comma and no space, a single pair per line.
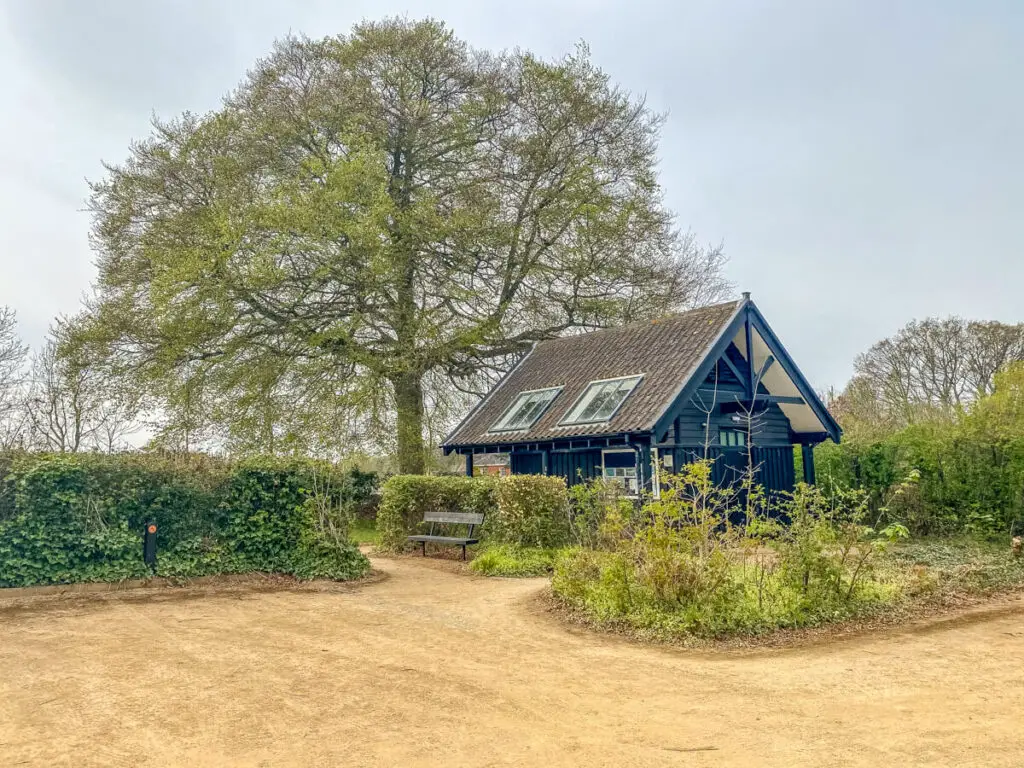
682,566
406,498
510,560
73,518
531,511
596,508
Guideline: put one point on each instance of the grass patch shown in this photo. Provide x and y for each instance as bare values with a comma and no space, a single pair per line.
364,532
960,566
510,560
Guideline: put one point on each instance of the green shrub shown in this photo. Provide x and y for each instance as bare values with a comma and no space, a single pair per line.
596,507
73,518
531,511
681,566
405,499
510,560
951,474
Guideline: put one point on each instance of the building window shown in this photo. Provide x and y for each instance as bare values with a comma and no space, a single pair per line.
620,467
732,438
525,410
600,400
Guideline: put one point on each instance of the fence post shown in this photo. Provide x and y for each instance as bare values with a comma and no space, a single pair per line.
149,544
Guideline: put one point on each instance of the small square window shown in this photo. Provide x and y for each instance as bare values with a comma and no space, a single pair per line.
525,410
732,438
620,468
601,400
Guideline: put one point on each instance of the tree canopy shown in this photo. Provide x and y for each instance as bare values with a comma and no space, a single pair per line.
377,219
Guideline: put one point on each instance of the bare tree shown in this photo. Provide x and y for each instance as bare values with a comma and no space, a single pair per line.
929,369
70,407
58,402
13,355
992,346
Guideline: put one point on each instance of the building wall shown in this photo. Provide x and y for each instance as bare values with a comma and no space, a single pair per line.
574,465
703,417
776,469
700,422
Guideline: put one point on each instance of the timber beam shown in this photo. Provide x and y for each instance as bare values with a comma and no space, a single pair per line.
761,400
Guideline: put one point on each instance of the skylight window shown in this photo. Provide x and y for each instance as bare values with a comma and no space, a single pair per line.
525,410
601,400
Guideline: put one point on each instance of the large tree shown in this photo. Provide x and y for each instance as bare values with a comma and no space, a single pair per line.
369,213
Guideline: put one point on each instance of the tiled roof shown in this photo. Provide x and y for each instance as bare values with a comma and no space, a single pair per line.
665,351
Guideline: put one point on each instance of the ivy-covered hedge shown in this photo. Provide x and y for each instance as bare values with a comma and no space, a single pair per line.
79,518
937,479
521,510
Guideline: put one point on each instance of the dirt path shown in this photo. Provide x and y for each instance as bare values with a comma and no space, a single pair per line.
429,667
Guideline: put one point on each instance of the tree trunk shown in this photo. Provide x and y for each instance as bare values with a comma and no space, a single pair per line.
409,416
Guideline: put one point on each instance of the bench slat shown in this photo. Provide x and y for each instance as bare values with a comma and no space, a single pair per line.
463,518
444,539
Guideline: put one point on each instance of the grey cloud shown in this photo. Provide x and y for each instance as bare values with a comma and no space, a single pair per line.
861,160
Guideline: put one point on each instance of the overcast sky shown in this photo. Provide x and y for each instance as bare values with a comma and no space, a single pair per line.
863,162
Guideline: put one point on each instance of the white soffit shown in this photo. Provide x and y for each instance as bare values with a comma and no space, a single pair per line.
802,418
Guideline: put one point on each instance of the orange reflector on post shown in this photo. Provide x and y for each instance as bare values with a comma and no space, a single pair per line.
149,544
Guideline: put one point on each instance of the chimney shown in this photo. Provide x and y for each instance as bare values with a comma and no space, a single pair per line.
746,295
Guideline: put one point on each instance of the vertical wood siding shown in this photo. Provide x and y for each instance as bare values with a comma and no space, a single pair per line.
775,464
573,464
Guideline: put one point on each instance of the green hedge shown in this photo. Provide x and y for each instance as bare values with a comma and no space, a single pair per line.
945,474
936,479
532,511
406,498
79,518
521,510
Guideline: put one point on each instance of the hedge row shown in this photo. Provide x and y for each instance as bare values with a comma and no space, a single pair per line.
79,518
935,479
522,510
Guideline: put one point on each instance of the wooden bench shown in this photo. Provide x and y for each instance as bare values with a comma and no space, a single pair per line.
469,519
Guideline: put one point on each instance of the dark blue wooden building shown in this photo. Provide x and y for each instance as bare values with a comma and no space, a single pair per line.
636,401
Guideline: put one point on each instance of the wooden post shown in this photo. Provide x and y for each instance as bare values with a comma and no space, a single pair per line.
545,463
807,453
469,465
643,462
655,460
149,545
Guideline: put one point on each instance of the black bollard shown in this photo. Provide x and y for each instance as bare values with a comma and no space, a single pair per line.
149,545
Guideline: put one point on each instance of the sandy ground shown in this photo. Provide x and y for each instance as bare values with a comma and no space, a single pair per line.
430,667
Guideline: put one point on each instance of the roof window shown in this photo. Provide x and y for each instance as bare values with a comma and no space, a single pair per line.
600,400
525,410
